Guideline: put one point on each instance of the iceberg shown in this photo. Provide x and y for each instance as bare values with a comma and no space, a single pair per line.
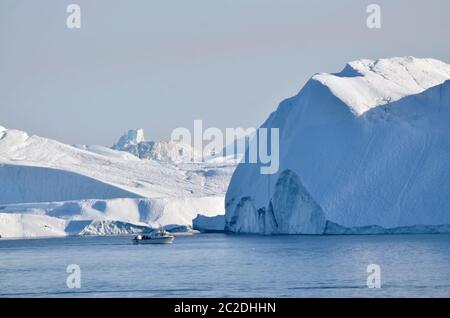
109,227
44,177
208,224
363,150
133,142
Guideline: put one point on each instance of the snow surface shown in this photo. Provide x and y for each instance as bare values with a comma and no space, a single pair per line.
370,146
121,171
108,152
37,184
45,177
365,84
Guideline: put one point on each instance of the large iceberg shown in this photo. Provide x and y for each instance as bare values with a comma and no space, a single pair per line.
361,151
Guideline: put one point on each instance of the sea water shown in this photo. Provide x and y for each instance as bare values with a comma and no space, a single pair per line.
220,265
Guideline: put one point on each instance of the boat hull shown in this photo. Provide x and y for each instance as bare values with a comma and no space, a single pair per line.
162,240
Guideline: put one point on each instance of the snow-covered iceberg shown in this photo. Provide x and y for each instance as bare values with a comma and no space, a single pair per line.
366,148
44,177
118,173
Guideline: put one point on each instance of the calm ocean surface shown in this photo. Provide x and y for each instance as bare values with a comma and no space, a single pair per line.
219,265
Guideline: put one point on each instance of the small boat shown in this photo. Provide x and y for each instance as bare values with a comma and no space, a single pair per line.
155,237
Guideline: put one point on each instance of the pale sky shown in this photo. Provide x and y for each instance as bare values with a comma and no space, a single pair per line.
162,64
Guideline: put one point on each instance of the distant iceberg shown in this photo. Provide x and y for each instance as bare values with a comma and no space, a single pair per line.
133,141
